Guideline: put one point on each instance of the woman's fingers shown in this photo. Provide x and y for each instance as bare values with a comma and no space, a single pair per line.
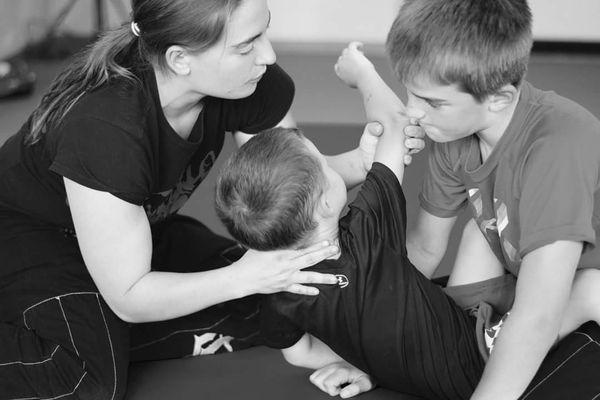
296,288
312,255
313,277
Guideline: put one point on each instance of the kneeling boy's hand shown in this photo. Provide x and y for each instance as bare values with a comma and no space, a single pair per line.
414,142
343,379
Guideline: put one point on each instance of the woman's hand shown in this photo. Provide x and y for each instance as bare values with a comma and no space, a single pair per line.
352,65
281,270
343,379
414,142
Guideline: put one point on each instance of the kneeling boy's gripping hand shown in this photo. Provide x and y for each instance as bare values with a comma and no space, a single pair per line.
414,142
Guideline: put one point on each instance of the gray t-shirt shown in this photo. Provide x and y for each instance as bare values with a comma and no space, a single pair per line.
539,185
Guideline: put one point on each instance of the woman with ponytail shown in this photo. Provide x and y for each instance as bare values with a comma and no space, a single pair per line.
96,267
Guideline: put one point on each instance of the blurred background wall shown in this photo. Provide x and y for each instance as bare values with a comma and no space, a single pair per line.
308,36
294,21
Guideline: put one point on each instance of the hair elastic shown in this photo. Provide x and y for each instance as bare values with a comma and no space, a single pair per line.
135,29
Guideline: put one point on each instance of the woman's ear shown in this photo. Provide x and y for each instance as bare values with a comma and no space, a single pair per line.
503,98
178,60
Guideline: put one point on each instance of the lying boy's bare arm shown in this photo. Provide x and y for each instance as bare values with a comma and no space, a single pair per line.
334,375
310,352
381,104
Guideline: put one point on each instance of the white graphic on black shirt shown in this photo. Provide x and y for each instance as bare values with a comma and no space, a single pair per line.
163,204
342,280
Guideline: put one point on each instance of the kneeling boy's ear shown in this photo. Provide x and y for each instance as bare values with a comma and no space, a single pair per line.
503,98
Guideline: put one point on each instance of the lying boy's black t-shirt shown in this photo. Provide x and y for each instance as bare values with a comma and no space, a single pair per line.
383,316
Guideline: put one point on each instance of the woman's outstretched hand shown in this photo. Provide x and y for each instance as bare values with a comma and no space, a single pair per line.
282,270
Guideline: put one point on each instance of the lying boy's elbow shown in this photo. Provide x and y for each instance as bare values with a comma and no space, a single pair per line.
294,358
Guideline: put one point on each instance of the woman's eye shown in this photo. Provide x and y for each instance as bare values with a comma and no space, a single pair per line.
246,48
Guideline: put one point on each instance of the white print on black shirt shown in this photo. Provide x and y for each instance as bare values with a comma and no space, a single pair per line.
342,280
163,204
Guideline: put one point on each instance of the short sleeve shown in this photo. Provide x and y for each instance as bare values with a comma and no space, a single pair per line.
102,156
379,211
266,107
443,193
277,330
558,180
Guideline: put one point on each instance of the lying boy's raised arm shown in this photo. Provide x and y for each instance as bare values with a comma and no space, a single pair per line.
381,104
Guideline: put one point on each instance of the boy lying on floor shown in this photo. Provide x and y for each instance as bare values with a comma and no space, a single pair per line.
384,317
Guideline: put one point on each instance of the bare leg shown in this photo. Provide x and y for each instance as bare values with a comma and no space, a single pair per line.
475,260
584,303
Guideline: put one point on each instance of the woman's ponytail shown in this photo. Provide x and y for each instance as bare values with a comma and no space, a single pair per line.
89,70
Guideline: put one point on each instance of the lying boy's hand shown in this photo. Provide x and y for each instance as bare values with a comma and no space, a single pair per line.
343,379
352,65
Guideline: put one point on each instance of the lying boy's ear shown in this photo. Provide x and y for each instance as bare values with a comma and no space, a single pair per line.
503,98
325,208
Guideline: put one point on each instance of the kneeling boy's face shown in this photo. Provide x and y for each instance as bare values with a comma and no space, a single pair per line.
449,113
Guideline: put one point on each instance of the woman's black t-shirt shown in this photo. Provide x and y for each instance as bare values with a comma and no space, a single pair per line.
116,139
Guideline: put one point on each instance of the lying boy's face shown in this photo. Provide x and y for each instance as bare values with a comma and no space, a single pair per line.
449,113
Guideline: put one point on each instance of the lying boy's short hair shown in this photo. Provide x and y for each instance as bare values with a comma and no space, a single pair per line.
480,45
267,192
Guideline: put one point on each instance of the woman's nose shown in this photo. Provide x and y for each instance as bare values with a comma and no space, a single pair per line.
265,54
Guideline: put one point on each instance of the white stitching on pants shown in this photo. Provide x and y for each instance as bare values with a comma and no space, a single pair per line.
591,339
32,363
48,299
253,314
112,352
68,326
555,369
57,397
58,298
176,332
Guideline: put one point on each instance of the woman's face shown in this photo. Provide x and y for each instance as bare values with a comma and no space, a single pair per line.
232,67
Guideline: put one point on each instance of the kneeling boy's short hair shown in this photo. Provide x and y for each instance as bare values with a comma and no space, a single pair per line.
481,45
267,192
